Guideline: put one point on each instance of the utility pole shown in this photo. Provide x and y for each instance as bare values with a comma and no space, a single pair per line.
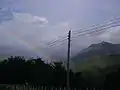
68,58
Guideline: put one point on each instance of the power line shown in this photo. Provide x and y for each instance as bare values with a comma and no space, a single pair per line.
58,39
53,44
59,43
88,32
108,24
99,25
94,31
96,27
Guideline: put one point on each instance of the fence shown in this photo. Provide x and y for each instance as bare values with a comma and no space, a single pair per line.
28,87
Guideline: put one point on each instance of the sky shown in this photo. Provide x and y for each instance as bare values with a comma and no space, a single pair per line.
25,25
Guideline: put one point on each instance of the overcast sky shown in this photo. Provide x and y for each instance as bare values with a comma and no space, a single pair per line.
26,24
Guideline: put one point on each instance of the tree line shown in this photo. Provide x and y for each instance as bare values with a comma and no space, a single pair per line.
18,70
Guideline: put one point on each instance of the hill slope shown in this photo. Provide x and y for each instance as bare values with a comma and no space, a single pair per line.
96,56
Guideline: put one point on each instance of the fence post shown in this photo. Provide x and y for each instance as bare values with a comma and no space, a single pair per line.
60,88
18,87
15,86
87,88
56,89
65,88
45,87
33,87
38,87
41,87
22,87
51,88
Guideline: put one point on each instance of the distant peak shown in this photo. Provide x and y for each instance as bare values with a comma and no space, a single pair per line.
103,42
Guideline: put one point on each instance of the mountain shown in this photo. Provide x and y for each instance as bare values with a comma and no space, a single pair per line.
97,61
97,56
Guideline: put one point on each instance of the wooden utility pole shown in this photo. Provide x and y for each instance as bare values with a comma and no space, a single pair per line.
68,59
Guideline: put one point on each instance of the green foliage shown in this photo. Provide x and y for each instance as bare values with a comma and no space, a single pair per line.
17,70
95,63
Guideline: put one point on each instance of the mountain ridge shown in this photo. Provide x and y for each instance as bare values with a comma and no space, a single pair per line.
98,55
102,48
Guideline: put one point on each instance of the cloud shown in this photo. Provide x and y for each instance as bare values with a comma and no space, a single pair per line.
111,35
5,14
24,26
28,18
21,30
28,29
26,32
